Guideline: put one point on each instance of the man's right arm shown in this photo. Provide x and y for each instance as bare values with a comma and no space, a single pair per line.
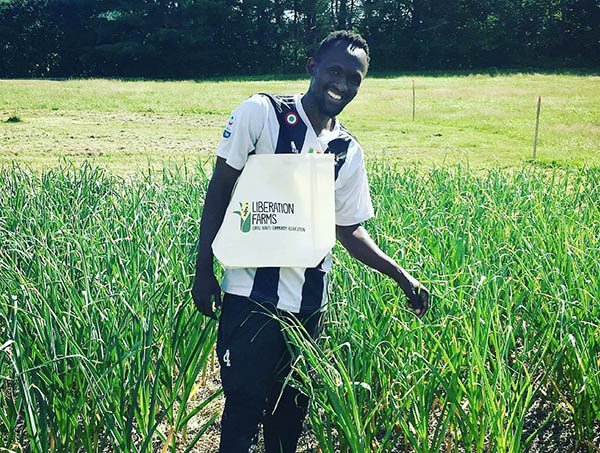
206,288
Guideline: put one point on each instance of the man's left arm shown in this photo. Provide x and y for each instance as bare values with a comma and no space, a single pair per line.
359,244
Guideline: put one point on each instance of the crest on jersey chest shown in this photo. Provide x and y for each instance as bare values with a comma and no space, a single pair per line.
291,118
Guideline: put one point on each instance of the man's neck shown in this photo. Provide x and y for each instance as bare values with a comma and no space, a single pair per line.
318,121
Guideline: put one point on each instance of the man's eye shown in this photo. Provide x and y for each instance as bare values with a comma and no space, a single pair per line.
355,81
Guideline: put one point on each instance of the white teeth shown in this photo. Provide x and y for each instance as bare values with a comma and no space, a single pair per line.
335,96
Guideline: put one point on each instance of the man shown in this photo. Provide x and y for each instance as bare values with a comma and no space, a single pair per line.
252,350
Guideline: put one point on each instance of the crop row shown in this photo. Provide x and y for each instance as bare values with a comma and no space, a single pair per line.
100,347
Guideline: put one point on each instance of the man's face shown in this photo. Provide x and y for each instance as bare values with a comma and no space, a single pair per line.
336,77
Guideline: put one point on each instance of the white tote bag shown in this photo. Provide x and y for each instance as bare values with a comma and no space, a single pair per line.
281,213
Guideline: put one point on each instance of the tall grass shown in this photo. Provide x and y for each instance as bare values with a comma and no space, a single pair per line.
100,343
513,260
100,347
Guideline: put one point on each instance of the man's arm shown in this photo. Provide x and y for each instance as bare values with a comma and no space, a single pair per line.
359,244
205,286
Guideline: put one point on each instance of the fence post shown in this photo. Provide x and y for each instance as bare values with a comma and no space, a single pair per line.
413,88
537,126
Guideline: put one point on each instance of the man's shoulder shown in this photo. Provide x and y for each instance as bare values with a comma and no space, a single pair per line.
256,101
345,132
347,140
280,102
262,103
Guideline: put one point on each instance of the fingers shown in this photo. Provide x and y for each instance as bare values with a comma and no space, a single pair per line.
419,303
208,310
212,305
217,299
207,297
205,305
423,296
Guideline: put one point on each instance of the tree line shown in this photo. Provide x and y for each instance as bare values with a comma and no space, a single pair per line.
199,38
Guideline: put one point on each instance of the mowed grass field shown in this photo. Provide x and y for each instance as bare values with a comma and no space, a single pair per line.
477,120
102,350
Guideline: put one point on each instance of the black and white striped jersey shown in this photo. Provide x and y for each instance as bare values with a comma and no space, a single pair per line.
268,124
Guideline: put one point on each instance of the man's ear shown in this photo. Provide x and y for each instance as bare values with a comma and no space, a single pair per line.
311,65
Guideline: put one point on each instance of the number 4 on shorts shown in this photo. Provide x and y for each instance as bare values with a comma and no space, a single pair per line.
226,358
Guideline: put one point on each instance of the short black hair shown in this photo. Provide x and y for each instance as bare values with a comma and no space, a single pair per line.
353,39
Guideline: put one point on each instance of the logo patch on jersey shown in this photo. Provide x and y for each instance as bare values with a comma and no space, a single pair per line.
291,119
229,127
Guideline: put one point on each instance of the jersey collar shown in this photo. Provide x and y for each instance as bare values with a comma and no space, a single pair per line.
302,113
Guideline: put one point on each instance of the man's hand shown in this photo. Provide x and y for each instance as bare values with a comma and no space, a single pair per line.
417,294
205,290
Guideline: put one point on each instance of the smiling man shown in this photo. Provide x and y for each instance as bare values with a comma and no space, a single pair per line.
253,352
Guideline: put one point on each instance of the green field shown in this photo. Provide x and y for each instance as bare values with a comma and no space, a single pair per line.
478,120
102,350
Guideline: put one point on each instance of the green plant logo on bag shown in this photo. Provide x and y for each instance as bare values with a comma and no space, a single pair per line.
265,215
245,216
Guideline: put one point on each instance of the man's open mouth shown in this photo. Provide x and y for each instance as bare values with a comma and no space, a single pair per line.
335,96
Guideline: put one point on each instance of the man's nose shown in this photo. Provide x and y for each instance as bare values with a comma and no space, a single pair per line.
341,84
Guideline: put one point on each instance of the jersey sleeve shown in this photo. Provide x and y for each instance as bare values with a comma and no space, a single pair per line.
352,199
242,131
